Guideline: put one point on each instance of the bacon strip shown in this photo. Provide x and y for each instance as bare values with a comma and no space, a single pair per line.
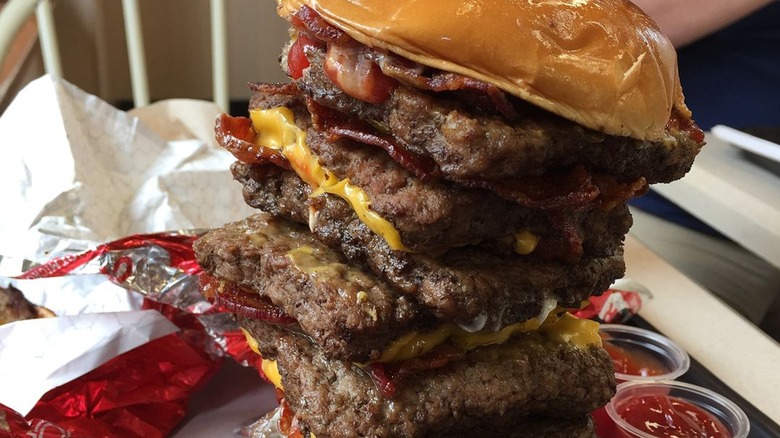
234,299
552,191
237,136
445,81
403,70
338,126
308,19
388,376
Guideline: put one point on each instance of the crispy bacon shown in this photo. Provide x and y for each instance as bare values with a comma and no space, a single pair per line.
552,191
234,299
237,136
387,376
392,67
308,19
412,75
613,193
356,74
338,126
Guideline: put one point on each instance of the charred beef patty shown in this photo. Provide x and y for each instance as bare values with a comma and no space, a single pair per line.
349,313
497,387
472,286
588,231
435,215
469,144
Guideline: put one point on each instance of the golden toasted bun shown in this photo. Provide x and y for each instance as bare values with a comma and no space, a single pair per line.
603,64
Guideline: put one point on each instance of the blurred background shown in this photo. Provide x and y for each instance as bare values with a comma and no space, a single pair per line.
177,41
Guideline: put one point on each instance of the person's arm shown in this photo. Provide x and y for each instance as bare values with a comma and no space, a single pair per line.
685,21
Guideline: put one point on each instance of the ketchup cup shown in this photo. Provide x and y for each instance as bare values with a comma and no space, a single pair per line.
638,355
643,355
669,408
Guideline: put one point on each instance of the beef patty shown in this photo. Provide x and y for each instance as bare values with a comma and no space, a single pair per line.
348,312
473,285
453,218
468,144
495,388
435,215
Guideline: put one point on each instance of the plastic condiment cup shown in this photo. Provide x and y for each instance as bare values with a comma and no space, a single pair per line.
724,410
673,358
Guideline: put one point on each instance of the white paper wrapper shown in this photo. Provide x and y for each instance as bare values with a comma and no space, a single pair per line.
76,295
75,171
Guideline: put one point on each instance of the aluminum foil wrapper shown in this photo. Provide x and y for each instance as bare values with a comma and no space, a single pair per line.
90,195
142,391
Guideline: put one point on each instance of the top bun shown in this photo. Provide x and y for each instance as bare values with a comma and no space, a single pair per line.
601,63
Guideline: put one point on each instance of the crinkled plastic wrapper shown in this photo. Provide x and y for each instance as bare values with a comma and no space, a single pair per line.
142,392
617,305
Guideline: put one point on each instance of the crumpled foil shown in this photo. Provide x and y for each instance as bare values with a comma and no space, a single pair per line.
133,339
142,392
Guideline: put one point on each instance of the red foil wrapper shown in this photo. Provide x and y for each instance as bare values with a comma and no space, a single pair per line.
143,392
613,306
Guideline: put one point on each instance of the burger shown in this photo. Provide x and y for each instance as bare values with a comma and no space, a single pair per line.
437,185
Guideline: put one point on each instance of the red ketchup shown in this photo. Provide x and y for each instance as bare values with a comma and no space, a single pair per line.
635,361
665,416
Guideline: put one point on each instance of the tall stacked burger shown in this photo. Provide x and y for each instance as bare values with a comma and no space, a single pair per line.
437,185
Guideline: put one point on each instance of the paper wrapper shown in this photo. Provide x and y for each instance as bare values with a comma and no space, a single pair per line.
132,338
75,172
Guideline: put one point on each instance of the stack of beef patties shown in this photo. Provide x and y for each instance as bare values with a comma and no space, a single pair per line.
420,236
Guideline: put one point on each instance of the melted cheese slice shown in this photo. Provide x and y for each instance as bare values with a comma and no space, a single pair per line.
277,130
565,328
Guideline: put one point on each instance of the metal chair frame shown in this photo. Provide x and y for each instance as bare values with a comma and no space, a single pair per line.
15,12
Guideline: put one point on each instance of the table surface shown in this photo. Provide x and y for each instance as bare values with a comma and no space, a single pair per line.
733,349
733,195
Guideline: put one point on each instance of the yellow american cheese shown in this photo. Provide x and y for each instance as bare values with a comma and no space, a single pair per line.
277,130
564,328
525,242
269,367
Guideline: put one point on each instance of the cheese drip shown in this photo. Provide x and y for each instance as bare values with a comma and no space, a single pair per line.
269,367
525,242
276,129
565,328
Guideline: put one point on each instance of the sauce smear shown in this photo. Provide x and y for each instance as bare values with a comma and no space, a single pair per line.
664,416
635,361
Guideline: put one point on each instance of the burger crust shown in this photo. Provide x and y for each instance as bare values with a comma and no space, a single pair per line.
602,64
